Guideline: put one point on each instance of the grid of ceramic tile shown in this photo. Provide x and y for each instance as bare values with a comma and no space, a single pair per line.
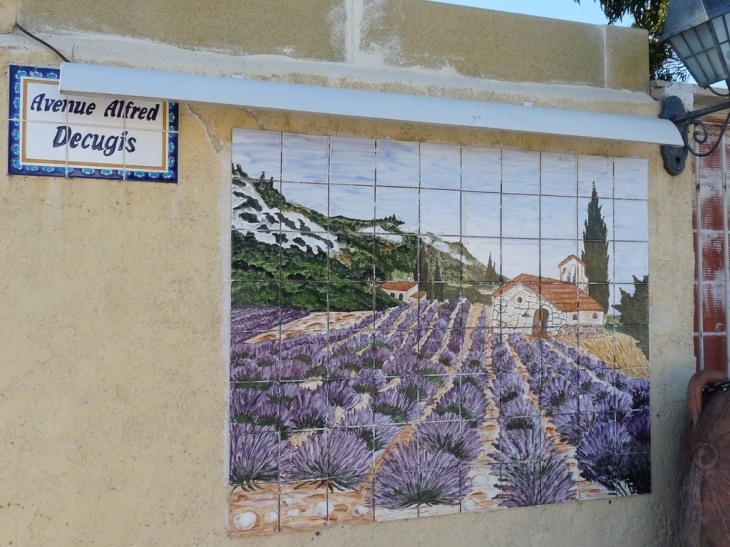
84,136
423,329
710,224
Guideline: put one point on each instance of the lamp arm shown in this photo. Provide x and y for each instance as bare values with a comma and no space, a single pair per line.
701,137
675,157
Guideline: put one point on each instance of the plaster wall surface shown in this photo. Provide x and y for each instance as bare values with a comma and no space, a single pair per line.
115,296
399,33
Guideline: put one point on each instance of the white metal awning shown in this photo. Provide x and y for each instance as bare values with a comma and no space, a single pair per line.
351,103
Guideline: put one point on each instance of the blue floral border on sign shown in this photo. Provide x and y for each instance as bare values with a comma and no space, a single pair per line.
15,117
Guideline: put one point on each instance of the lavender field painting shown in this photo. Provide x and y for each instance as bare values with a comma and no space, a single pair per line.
425,329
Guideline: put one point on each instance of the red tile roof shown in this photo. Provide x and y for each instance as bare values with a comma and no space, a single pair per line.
564,296
398,285
418,295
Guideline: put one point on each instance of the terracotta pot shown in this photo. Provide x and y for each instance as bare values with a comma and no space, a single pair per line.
705,453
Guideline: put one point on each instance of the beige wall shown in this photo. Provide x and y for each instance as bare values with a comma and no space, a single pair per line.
114,295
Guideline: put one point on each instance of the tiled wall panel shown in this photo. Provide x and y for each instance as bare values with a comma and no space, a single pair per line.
426,329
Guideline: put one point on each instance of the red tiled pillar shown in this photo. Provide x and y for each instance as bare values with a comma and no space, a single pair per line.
710,225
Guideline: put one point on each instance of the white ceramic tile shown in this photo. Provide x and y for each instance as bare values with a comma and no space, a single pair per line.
606,212
482,248
397,163
480,214
520,216
553,252
401,202
520,172
558,217
257,152
631,259
596,170
352,161
49,143
143,150
440,166
558,174
631,220
631,178
352,201
440,212
481,169
520,256
305,158
311,196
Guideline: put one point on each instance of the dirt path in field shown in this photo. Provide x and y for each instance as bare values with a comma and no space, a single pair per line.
585,489
483,477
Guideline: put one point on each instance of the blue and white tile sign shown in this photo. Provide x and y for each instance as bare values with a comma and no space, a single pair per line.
54,134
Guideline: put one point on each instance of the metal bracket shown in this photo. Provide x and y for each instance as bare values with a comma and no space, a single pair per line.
675,157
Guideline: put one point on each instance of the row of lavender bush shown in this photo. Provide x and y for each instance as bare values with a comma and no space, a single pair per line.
355,366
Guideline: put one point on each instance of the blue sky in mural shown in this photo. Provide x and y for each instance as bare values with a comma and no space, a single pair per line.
520,215
587,12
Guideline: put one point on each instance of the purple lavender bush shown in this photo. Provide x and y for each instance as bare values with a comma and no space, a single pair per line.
341,393
395,404
369,381
336,460
449,433
417,388
533,473
465,401
375,430
409,478
311,410
254,456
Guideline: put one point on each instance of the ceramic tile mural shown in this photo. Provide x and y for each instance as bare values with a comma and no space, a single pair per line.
426,329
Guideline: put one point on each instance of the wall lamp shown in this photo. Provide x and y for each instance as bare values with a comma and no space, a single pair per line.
699,33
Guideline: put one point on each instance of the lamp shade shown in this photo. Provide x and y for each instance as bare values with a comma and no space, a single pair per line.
699,32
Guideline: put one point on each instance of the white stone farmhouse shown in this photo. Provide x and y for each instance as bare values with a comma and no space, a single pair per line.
402,290
537,305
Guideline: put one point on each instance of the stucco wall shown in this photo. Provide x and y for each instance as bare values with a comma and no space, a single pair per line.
114,298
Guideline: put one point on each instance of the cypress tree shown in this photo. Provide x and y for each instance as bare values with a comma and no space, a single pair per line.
595,251
491,270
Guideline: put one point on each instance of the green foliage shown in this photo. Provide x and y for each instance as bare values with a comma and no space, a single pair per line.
649,15
362,262
595,251
634,311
